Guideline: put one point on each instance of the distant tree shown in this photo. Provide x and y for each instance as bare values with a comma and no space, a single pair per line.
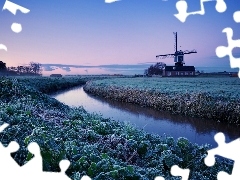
20,69
2,66
12,68
156,69
27,69
35,67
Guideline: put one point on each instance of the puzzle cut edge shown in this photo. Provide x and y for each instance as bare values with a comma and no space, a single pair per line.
228,150
222,51
177,171
182,8
13,8
31,169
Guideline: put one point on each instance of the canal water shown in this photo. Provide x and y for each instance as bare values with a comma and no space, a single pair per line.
197,130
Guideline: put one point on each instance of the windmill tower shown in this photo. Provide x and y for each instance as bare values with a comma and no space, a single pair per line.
179,69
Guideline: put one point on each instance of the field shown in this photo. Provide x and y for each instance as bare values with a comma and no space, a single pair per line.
98,147
50,85
210,98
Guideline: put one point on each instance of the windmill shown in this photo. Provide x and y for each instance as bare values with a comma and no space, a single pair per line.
178,55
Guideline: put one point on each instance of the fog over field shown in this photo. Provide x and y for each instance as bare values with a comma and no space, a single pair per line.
131,69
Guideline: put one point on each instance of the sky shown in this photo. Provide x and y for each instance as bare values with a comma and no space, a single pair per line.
94,37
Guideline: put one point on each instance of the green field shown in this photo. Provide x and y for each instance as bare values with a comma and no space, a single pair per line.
225,86
211,98
98,147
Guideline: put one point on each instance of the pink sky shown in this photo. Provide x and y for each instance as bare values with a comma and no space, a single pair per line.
126,32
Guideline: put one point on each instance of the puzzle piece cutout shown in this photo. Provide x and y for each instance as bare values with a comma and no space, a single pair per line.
159,178
236,16
13,8
228,150
222,51
9,165
10,169
176,171
111,1
2,46
182,7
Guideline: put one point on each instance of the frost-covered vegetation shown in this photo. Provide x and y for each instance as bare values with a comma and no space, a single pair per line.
211,98
53,84
101,148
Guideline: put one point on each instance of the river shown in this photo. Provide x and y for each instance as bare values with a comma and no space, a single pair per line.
197,130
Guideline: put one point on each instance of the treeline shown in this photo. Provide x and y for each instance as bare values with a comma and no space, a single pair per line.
156,69
33,68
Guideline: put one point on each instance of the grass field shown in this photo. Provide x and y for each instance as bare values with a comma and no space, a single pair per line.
226,86
98,147
210,98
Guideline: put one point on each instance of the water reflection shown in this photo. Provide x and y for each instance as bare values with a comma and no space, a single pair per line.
196,130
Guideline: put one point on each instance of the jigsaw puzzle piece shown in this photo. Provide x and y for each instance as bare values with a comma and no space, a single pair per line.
176,171
85,178
5,125
159,178
228,150
5,153
34,165
222,51
2,46
221,6
12,7
236,16
32,169
223,176
111,1
9,166
64,164
182,7
182,15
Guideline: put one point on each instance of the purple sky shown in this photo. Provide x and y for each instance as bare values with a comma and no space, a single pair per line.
91,32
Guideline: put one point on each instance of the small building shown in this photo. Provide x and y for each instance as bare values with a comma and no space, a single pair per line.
174,71
233,74
55,75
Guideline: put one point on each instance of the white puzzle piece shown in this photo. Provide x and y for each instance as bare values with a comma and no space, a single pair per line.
182,7
3,47
13,8
222,51
177,171
111,1
32,169
228,150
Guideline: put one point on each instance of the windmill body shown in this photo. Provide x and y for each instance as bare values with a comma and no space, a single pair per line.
179,69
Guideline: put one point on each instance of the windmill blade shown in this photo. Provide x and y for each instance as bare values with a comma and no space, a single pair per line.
165,56
189,52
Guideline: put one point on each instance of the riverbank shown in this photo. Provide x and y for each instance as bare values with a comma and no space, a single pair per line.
49,85
101,148
210,98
